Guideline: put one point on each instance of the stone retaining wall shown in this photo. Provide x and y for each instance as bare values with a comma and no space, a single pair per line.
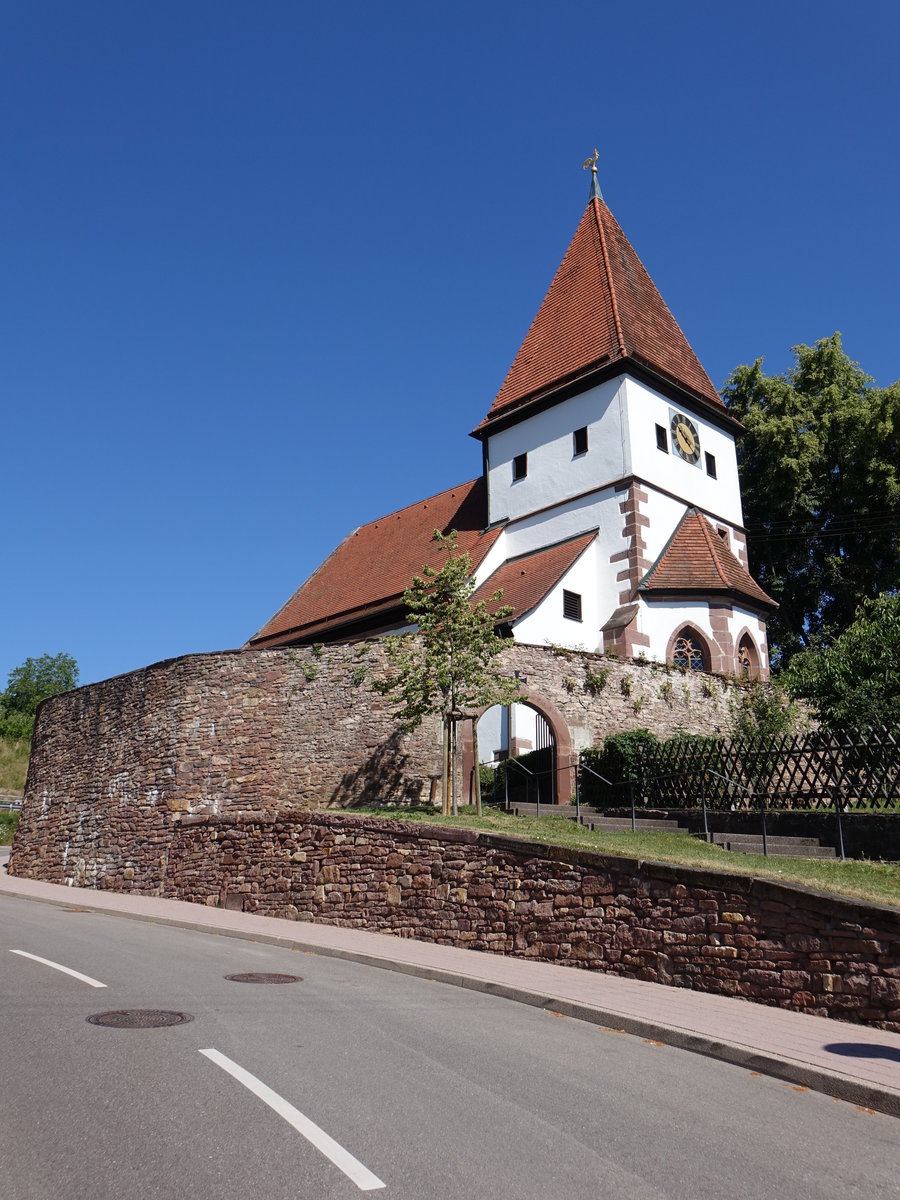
767,942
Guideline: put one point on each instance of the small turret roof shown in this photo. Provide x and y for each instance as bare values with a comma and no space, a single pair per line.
696,559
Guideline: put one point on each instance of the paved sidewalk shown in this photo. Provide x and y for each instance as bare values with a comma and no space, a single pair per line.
851,1062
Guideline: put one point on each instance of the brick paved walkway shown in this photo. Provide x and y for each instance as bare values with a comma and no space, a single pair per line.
850,1061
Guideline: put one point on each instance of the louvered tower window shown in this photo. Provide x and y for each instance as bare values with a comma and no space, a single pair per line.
571,605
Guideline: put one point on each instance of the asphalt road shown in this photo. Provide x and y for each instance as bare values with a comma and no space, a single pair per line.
432,1091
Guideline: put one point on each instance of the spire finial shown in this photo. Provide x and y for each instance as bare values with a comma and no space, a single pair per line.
591,162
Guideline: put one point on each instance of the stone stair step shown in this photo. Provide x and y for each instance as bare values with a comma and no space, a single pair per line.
778,847
565,811
741,839
772,838
614,824
784,851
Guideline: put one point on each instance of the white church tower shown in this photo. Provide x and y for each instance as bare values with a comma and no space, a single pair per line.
609,446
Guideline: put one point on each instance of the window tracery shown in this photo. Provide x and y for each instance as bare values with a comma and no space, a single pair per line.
688,652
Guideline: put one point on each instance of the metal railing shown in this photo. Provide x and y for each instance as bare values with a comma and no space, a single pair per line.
626,783
749,791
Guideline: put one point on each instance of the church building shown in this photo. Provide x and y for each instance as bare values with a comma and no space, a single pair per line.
608,508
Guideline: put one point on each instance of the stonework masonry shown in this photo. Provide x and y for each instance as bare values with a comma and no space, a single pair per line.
204,778
261,729
762,941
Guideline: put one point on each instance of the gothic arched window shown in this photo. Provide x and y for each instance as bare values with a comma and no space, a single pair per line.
748,660
689,653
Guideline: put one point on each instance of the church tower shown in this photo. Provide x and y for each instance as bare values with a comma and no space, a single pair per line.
608,423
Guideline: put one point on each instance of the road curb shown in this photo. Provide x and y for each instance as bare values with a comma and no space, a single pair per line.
832,1083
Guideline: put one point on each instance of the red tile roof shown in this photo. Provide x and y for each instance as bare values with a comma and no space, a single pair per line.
697,560
602,306
367,574
526,580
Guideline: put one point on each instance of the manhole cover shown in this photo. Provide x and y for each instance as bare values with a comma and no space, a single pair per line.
262,977
139,1018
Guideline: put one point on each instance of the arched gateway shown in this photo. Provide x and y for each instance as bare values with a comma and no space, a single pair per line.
565,761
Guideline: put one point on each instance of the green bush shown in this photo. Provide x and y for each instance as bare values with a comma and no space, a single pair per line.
488,776
523,787
15,726
619,760
8,823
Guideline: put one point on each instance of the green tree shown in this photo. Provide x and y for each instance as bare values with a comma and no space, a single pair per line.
821,489
762,711
855,682
449,665
27,685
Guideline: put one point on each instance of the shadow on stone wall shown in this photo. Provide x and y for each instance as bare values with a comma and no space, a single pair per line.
381,780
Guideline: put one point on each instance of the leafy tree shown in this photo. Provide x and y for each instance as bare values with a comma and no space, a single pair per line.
449,666
29,684
760,711
821,489
856,681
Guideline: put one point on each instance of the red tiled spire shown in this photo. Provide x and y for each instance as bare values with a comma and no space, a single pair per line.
601,307
697,560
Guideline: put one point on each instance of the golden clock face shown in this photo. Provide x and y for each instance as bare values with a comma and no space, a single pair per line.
685,438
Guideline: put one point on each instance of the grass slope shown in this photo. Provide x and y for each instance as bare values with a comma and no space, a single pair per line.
13,763
857,878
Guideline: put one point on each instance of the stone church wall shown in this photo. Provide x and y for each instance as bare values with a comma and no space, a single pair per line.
115,762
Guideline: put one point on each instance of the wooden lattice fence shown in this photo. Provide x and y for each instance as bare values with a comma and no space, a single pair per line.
858,769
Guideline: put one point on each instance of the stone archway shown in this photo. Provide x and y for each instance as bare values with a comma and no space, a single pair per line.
566,761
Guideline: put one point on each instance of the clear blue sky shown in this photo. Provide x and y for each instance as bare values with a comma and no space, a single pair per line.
263,266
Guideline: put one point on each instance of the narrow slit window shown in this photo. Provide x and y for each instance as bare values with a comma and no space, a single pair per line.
662,440
520,467
571,605
579,441
711,465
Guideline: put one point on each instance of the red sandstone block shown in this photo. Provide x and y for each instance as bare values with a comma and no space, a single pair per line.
885,992
762,978
796,980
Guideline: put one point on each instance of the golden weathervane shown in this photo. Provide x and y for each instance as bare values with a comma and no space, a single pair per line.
591,162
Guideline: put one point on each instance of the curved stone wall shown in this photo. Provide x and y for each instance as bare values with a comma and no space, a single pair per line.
257,729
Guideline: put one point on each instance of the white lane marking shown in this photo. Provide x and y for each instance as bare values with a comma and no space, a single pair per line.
59,967
343,1159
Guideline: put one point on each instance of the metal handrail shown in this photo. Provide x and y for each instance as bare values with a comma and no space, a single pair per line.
750,792
629,783
515,762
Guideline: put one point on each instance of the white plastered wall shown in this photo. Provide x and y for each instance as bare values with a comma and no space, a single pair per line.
599,511
497,725
546,625
744,621
555,472
495,557
492,730
664,513
645,409
659,619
